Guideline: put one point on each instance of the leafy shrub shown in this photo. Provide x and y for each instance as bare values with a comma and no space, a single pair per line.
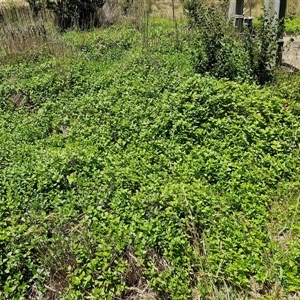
83,14
215,50
224,53
263,49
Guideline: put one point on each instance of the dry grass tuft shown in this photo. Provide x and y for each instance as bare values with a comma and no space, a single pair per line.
137,285
163,9
23,35
57,258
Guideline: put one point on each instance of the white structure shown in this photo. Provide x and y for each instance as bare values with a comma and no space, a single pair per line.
272,7
275,8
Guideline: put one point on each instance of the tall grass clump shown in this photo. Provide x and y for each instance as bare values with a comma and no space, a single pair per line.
71,13
25,35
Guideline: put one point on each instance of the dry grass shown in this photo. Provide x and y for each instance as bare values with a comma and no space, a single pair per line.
293,8
164,9
134,278
22,35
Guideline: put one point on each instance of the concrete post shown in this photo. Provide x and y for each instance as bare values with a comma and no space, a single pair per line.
272,7
276,9
232,8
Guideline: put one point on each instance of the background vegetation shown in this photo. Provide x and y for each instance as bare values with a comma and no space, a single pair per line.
293,26
127,172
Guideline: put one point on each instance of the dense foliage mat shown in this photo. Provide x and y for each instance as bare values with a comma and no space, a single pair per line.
293,26
127,174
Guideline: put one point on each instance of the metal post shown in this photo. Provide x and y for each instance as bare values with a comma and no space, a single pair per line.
236,9
239,15
282,9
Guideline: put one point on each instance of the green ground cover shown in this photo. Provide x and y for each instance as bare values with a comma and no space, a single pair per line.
123,175
293,26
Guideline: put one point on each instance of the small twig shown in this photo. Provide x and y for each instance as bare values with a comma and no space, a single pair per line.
136,289
51,289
